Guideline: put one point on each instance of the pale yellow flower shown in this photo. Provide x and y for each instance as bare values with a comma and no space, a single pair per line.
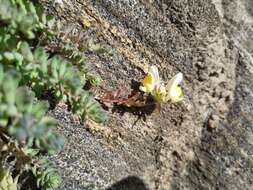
174,92
151,80
153,85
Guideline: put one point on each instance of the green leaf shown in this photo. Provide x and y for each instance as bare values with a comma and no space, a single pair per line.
3,121
9,56
31,151
12,110
26,51
24,99
9,89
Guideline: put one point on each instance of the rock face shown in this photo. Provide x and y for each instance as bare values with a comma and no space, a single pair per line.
203,142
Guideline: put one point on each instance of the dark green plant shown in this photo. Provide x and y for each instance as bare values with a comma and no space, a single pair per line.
28,73
22,118
64,78
46,175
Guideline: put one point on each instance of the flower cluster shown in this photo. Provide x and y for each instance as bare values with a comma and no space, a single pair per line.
162,93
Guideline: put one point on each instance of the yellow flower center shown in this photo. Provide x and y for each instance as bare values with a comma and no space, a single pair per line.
148,83
176,94
161,93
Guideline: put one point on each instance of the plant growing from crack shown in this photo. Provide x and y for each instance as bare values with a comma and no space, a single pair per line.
151,85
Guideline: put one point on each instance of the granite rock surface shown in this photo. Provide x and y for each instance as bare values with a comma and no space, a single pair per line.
203,142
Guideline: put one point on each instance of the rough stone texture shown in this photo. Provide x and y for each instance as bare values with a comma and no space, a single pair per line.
204,142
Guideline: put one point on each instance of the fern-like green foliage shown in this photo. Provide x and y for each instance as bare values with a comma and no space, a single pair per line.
63,78
23,116
46,175
28,73
72,54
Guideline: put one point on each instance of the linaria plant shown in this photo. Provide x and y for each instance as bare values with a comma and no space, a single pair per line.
156,87
28,72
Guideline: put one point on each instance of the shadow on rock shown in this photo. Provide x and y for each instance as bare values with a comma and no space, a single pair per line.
129,183
141,111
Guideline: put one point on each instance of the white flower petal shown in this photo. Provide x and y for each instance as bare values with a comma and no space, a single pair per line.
174,92
175,81
153,70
